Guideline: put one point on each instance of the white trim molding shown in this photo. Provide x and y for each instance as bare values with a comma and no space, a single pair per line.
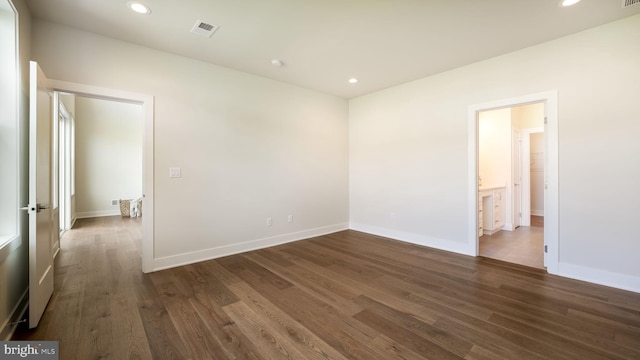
9,244
232,249
440,244
601,277
10,325
92,214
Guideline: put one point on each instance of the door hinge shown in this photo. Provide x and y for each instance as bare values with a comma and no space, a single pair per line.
545,120
546,249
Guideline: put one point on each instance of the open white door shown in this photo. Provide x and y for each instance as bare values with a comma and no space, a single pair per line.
40,219
516,172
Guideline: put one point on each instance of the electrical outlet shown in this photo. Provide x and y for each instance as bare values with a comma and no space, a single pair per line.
269,221
114,202
290,218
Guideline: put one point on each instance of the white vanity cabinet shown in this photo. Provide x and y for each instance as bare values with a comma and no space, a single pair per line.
480,215
491,210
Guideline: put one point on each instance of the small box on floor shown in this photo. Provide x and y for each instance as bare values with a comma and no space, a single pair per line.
131,207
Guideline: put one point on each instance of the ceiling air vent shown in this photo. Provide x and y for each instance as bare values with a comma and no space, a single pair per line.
204,29
627,3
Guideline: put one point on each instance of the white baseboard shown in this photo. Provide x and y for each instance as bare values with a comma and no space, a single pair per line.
16,314
606,278
616,280
8,244
92,214
537,212
508,227
221,251
601,277
441,244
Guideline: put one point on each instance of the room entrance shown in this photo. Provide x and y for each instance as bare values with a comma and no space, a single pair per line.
499,197
145,102
99,160
510,184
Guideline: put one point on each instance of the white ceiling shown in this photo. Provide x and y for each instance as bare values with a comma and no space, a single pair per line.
325,42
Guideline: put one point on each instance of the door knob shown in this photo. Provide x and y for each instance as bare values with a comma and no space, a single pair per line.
37,208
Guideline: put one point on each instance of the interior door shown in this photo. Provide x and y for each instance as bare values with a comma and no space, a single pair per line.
516,142
525,180
40,217
547,229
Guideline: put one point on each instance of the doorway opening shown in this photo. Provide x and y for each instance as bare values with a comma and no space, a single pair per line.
68,204
491,199
511,184
64,161
97,158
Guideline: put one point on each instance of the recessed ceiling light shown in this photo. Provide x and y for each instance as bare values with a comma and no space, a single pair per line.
353,81
569,2
277,63
139,7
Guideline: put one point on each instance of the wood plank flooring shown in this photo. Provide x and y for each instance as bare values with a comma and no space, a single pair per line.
524,246
346,295
537,221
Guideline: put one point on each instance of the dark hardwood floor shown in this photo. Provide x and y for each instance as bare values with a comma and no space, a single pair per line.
346,295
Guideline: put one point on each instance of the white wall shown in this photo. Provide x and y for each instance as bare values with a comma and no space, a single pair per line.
529,116
408,149
249,147
537,173
108,155
494,148
494,155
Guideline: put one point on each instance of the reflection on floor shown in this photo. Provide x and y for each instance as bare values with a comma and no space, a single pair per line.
522,246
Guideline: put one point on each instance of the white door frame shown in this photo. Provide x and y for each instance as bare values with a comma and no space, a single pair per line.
147,102
65,183
551,235
526,173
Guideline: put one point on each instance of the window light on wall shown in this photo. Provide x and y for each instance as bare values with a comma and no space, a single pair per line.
566,3
9,154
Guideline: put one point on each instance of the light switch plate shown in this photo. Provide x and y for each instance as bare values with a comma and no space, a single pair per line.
175,172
